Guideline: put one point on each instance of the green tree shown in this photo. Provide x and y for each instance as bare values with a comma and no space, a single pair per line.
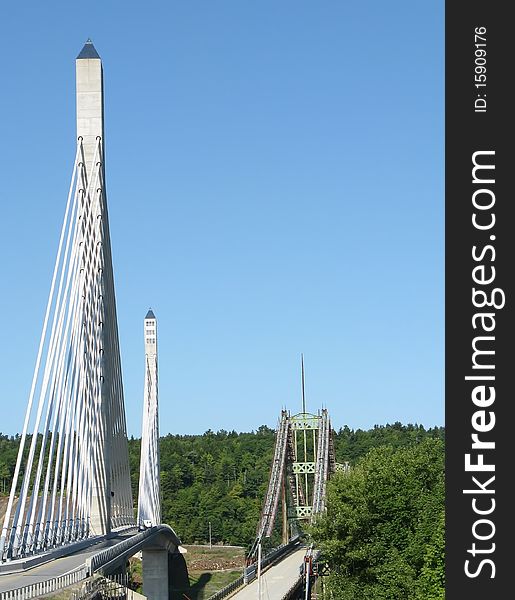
432,579
379,532
222,478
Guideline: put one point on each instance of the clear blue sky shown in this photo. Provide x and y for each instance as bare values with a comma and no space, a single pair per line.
275,185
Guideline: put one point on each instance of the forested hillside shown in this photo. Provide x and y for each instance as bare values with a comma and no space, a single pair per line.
215,477
383,533
221,477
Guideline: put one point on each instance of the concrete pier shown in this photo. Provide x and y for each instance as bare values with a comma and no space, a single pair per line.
156,574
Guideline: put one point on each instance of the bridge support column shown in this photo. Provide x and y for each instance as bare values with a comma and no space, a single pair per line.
90,128
155,574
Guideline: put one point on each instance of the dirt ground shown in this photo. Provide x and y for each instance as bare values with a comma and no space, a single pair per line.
217,558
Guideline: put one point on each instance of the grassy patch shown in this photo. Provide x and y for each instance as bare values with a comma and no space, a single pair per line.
204,584
210,570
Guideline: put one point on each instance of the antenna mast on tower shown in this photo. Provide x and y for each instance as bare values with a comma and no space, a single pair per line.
302,375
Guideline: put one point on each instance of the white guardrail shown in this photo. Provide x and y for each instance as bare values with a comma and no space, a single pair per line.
36,590
250,572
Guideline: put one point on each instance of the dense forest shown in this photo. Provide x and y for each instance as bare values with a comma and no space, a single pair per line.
220,478
382,536
383,533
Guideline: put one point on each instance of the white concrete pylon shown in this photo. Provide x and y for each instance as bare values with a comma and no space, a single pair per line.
72,471
90,132
149,497
90,101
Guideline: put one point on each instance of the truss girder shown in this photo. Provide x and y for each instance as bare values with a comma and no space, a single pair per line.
304,467
322,466
276,478
297,493
285,462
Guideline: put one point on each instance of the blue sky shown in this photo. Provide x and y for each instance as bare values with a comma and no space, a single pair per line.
275,185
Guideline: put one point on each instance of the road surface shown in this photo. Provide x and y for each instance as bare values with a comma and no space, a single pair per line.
275,581
54,568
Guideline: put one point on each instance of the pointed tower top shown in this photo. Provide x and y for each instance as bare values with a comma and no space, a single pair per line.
88,51
150,314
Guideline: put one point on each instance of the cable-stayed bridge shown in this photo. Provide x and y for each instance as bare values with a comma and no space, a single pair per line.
72,467
70,503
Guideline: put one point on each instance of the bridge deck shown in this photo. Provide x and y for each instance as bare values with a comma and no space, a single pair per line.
55,568
276,581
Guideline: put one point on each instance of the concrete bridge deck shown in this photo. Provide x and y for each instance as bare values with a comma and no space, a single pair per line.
57,567
105,556
275,581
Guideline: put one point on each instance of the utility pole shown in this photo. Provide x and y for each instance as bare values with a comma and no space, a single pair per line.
259,572
210,545
308,581
307,573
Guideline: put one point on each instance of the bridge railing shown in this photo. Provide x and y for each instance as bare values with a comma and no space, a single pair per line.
36,590
114,586
250,572
305,572
293,591
97,561
228,589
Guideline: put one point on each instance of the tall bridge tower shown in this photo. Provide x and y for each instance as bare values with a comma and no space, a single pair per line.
303,462
71,479
149,497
